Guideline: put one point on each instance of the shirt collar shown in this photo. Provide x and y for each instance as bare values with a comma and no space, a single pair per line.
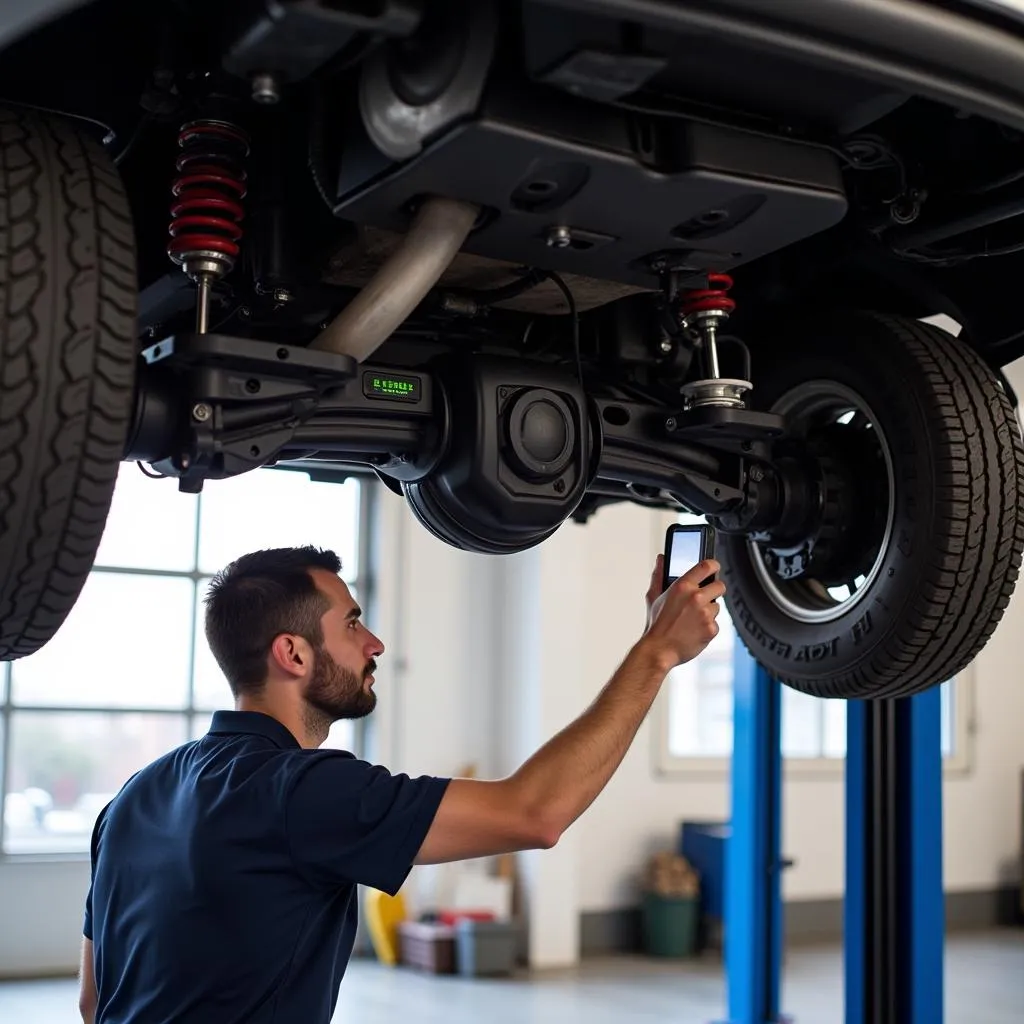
254,723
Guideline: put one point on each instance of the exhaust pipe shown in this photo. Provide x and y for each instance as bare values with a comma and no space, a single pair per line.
435,238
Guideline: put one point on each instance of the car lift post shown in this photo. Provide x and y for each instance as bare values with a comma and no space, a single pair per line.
893,910
753,855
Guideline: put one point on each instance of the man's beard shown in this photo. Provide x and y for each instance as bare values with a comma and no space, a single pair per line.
337,692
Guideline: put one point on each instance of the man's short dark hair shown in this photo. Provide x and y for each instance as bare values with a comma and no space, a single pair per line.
255,599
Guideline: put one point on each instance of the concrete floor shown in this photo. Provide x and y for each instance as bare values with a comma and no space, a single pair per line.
984,985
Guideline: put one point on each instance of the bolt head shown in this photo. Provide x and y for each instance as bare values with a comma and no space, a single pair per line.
559,237
756,474
265,89
671,423
666,345
201,412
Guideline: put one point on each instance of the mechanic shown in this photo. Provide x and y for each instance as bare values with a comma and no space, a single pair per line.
224,874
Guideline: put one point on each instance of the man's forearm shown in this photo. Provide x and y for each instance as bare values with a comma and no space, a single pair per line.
535,805
560,781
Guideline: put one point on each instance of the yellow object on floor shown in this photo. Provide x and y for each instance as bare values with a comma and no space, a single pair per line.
384,914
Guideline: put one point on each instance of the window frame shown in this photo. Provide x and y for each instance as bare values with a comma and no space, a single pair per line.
669,766
365,580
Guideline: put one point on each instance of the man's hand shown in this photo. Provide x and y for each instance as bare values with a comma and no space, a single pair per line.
681,621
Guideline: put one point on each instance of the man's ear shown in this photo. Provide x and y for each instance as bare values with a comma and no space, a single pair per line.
291,654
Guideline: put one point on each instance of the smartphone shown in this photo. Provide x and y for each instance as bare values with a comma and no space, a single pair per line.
685,546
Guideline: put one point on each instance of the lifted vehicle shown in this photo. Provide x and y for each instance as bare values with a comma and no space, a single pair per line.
522,259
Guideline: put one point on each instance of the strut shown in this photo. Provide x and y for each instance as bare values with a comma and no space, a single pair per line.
207,210
702,311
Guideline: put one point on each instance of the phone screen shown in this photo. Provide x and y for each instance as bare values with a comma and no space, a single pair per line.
684,553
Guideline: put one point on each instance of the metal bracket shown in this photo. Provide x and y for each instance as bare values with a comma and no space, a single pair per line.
213,406
295,38
735,430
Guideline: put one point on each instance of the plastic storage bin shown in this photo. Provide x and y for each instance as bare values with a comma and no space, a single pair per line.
670,925
430,947
485,947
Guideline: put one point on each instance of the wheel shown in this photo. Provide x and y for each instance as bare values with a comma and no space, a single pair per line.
67,362
917,545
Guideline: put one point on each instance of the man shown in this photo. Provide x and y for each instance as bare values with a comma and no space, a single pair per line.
224,873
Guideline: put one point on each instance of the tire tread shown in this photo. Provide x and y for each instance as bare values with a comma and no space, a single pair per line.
973,469
968,580
67,361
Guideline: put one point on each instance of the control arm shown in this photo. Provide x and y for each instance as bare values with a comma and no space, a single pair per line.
211,406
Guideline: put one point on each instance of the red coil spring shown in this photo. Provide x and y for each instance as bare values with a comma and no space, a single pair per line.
211,181
714,297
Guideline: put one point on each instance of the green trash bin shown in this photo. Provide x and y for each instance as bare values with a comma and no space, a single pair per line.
670,924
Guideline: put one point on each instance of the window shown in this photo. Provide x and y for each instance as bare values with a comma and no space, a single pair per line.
129,675
694,727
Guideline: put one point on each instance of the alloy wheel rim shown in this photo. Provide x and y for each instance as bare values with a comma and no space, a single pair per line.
806,599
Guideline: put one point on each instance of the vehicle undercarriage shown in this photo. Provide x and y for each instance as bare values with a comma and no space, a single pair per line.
520,260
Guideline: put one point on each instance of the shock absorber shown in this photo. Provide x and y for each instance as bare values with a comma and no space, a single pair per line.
206,212
703,311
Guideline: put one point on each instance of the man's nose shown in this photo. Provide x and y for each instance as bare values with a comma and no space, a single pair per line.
374,647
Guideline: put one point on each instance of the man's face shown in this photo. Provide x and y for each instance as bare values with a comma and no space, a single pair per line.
341,684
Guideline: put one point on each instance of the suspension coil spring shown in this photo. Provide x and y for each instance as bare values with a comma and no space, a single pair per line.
207,211
713,299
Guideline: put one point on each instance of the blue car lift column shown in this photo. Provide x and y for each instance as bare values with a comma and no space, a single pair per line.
753,853
894,909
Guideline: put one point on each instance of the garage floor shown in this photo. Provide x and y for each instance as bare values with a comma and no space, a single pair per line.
984,985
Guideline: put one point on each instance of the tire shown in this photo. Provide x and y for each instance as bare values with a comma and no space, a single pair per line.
68,295
946,568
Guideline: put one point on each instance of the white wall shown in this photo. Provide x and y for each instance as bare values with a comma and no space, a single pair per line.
638,809
433,609
607,564
41,907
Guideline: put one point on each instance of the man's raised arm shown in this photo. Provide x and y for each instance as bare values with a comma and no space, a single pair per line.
534,806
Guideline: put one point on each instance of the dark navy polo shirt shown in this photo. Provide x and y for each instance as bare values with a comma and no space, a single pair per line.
224,876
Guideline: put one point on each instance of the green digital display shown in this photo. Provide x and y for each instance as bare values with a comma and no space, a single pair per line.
393,386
